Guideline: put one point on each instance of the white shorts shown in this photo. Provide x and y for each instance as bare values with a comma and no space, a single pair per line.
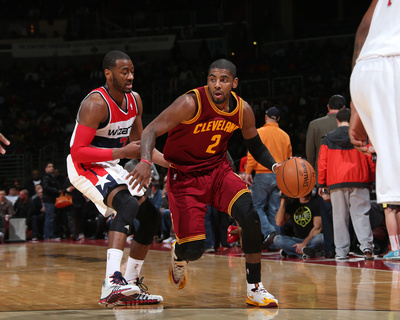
375,92
94,180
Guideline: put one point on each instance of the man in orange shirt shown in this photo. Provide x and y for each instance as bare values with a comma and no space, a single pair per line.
264,190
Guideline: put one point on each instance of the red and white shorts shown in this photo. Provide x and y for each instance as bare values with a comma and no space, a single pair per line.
95,179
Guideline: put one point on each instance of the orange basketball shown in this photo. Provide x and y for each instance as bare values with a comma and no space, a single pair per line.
296,177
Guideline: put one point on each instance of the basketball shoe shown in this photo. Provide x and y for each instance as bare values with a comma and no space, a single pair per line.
392,255
177,270
142,298
258,296
115,289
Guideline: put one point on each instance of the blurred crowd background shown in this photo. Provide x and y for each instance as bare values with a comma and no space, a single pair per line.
292,54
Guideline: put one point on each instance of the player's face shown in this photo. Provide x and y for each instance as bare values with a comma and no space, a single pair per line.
220,84
123,75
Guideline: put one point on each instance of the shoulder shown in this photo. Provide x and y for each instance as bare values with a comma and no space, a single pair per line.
94,101
136,95
247,109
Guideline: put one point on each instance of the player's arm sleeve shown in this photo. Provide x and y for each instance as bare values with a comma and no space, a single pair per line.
260,152
80,150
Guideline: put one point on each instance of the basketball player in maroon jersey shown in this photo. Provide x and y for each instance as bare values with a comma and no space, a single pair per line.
199,125
108,128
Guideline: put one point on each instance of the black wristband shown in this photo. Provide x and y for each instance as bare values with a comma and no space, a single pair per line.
260,152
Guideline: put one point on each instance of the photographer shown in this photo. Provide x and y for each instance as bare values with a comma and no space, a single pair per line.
303,214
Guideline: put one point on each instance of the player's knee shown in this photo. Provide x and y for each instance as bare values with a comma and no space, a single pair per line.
190,251
244,213
127,208
149,222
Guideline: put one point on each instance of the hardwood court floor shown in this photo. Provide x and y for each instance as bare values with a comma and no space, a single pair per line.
62,280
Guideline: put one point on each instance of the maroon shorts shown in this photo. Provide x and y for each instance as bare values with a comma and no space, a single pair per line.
190,192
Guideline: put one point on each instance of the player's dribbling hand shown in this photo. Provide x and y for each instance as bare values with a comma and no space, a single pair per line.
5,141
140,176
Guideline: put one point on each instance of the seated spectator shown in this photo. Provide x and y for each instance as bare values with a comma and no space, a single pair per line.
304,216
37,217
34,180
6,212
24,208
6,206
12,194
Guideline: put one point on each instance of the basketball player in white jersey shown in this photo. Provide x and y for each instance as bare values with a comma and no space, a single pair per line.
108,128
375,116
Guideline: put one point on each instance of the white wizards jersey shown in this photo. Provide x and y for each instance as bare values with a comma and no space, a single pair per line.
384,33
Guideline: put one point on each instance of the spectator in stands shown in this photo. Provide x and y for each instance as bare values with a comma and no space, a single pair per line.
6,206
6,212
24,208
37,218
12,195
34,180
156,195
76,211
316,129
51,190
348,174
303,215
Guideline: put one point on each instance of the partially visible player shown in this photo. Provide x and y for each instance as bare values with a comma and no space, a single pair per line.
199,125
108,118
375,116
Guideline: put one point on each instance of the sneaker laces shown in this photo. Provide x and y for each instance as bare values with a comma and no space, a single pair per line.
117,278
141,285
179,270
262,290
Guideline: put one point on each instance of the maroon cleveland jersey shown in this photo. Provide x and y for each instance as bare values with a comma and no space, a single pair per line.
201,143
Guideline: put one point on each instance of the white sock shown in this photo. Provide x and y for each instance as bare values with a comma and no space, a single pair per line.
394,242
114,257
133,268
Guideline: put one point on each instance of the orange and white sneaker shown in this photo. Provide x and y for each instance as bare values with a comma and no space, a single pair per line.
177,270
258,296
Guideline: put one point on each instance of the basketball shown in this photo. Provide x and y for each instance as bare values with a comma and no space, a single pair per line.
295,178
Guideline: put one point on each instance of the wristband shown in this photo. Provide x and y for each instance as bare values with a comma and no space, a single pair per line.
147,161
273,167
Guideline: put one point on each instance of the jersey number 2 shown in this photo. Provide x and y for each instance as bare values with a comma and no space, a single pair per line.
217,139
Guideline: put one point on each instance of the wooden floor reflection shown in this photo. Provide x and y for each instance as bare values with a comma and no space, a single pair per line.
50,280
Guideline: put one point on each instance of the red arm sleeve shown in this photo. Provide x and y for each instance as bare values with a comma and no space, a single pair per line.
80,150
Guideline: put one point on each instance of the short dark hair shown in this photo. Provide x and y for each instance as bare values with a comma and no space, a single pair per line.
343,115
110,59
223,64
337,102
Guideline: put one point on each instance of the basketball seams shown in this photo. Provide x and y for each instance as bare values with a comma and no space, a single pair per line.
296,178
